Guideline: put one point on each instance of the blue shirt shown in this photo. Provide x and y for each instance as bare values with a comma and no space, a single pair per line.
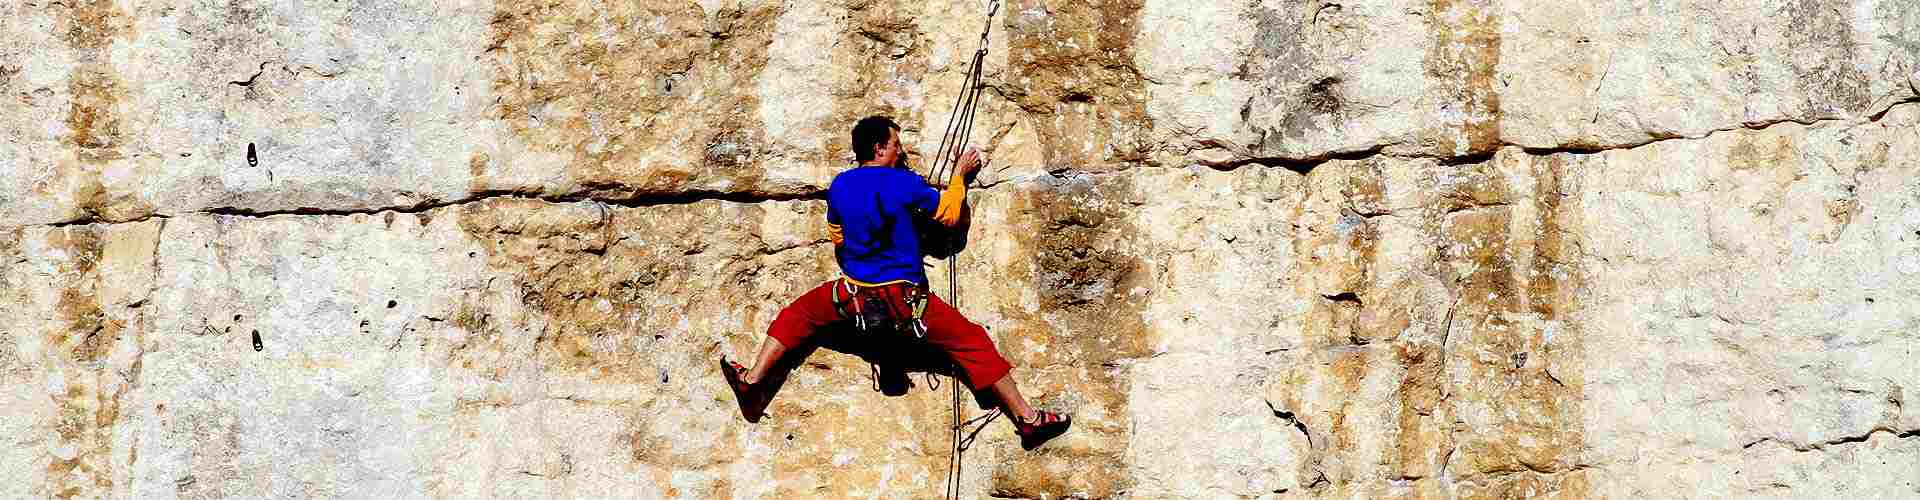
876,208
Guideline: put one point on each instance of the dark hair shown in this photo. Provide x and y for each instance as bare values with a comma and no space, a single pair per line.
869,134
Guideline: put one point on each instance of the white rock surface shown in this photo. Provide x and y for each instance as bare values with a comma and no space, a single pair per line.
1454,248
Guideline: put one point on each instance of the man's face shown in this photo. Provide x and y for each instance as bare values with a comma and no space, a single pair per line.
889,153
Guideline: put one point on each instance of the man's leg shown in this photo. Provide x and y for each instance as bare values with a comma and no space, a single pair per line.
1010,396
770,351
793,326
981,365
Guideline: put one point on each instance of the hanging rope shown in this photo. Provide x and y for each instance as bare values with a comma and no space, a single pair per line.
945,161
965,106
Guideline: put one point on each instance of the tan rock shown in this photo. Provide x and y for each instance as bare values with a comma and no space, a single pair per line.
1437,249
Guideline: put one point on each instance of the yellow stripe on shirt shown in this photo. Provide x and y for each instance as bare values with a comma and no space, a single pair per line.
952,202
871,285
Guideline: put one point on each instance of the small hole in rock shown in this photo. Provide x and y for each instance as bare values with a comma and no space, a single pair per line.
391,304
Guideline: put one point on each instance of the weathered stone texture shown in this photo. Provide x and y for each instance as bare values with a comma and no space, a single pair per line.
1258,248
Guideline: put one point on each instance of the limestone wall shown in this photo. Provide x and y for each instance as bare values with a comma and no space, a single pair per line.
1259,248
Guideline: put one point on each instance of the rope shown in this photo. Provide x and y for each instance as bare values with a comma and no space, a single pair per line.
960,123
959,129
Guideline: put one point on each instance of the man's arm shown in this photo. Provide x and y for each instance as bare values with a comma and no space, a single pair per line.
953,211
834,233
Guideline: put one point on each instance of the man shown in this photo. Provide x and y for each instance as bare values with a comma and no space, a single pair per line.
872,215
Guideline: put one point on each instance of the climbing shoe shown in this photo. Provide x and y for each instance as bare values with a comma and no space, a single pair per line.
752,403
1045,425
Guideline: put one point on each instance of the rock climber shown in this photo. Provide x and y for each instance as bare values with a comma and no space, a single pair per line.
872,210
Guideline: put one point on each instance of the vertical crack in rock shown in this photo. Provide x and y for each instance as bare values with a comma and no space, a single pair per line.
653,109
1518,296
1072,74
1379,379
1462,62
13,369
1333,389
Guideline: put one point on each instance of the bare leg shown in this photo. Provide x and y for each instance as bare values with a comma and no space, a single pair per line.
1010,397
770,352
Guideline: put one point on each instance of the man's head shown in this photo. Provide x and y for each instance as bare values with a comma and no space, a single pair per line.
876,141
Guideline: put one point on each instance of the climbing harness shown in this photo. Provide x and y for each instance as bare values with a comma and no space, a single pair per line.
945,159
883,309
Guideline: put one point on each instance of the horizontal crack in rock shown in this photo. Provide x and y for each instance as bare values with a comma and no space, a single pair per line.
635,200
1843,440
1300,165
1307,164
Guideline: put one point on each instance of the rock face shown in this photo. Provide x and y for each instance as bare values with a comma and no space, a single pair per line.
1258,248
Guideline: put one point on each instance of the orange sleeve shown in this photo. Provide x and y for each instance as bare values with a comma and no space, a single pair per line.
952,201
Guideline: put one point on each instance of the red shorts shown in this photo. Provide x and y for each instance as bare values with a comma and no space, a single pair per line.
964,341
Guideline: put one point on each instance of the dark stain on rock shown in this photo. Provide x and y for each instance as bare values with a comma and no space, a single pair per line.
96,131
79,343
1462,63
1419,432
1821,34
884,49
595,99
1324,96
86,323
553,255
1066,48
10,293
1094,465
1554,281
1348,368
1517,301
1334,251
91,118
1089,316
90,24
602,294
477,165
1086,278
1283,70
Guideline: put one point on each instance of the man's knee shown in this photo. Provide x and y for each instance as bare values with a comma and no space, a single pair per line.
800,319
789,329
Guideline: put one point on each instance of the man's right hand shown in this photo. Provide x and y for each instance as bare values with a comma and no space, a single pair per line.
970,162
